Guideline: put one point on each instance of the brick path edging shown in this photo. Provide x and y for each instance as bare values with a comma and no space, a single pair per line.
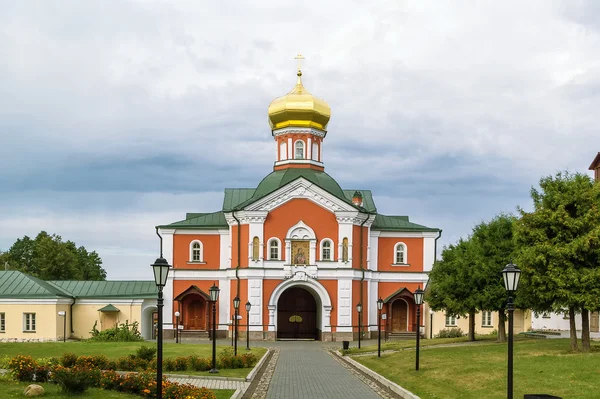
252,374
381,379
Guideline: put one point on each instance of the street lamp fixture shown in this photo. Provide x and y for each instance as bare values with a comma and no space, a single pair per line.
63,314
359,310
431,312
248,307
236,306
512,275
177,314
161,270
214,297
379,308
418,295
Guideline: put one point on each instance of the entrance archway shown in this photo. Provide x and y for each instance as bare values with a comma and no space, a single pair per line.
399,315
297,314
194,313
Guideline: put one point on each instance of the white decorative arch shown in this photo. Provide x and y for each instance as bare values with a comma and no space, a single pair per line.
279,249
316,289
299,143
301,231
191,258
400,247
323,241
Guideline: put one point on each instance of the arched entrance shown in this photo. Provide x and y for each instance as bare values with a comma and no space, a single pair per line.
399,315
297,314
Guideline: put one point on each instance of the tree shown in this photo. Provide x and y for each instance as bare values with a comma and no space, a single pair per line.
50,258
559,248
451,284
492,247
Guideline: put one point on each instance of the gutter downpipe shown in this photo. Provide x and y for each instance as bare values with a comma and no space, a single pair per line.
362,279
435,246
159,236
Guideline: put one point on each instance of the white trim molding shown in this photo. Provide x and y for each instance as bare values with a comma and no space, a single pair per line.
199,249
331,247
404,254
269,246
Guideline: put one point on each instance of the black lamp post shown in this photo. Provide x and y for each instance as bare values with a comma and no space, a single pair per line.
418,295
511,274
63,314
161,271
431,323
359,310
177,314
248,307
214,297
379,307
236,306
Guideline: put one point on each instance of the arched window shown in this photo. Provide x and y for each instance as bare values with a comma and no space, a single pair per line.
274,247
299,150
255,248
195,251
282,151
345,249
400,255
326,249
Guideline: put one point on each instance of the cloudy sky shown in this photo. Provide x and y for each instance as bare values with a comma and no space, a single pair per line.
116,116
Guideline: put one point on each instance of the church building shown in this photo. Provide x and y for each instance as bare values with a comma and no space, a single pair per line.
303,251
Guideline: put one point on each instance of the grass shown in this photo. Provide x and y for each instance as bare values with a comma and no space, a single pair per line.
404,344
479,371
224,393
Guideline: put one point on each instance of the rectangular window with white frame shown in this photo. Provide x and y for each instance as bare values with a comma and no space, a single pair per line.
486,318
2,322
450,321
29,322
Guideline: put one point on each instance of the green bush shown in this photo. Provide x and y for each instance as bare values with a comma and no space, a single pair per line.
199,363
22,367
146,353
76,380
450,333
169,364
68,359
123,332
181,363
126,363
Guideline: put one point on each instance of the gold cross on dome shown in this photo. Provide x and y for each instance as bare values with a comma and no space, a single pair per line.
299,57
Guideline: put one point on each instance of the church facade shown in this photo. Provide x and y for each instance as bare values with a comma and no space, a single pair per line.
302,251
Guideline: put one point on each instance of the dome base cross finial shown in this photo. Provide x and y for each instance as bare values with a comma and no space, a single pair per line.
299,57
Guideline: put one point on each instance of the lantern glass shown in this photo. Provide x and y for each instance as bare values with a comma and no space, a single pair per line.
248,306
62,313
359,308
418,295
236,302
214,293
177,314
161,271
512,275
379,304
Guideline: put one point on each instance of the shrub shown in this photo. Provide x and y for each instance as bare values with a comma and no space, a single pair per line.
110,380
22,367
169,364
181,363
248,359
123,332
68,359
199,363
126,363
76,380
450,333
146,353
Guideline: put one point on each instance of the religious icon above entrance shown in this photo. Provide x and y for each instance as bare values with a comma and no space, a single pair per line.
300,251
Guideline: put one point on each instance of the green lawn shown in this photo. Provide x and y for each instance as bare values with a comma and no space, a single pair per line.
404,344
223,393
117,349
479,371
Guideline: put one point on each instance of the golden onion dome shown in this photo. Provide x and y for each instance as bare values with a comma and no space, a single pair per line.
299,108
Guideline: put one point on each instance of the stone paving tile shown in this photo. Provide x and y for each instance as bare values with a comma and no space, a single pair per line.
306,371
211,384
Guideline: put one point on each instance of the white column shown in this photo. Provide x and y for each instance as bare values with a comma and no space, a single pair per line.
223,304
271,309
167,251
288,252
321,151
313,252
290,149
224,249
372,292
255,298
309,148
344,306
326,327
428,253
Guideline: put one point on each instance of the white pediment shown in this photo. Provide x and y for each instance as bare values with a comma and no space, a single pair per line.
304,189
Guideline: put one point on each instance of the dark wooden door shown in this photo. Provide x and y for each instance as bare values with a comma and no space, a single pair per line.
296,315
195,315
399,316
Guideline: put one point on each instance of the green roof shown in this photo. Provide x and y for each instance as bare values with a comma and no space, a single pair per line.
368,202
281,178
108,289
235,196
109,309
15,284
213,220
397,223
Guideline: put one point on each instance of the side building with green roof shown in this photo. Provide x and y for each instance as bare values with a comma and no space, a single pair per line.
297,248
36,310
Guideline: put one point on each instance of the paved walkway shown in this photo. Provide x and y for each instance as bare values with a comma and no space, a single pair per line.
305,370
210,383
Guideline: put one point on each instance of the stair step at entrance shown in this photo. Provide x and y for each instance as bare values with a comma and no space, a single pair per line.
402,335
193,334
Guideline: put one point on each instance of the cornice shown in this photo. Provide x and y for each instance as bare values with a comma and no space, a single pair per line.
299,130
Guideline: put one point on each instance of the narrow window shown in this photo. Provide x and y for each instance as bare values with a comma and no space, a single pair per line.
255,248
196,251
299,150
400,257
486,318
326,250
29,322
345,249
2,322
450,320
274,250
